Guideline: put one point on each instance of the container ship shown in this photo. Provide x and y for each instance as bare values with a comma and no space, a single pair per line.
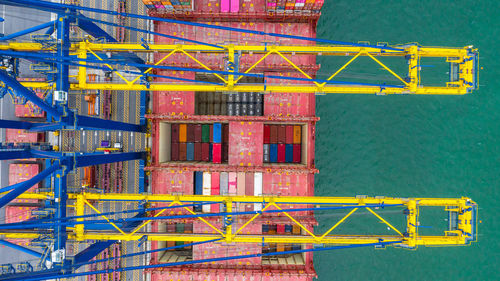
241,143
189,154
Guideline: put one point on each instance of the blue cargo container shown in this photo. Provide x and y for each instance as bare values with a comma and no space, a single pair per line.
288,228
210,153
190,151
217,137
273,152
198,187
289,153
265,228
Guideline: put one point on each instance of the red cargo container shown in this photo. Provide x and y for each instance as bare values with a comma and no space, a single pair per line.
174,151
190,133
297,153
197,133
273,134
173,103
22,136
282,134
281,153
225,133
211,133
197,151
216,153
267,134
205,152
182,151
289,134
23,172
225,152
174,133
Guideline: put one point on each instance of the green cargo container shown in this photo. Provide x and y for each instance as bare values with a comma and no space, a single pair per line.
205,133
179,228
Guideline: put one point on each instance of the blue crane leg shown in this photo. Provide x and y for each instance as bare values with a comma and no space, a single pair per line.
20,248
22,187
62,82
60,196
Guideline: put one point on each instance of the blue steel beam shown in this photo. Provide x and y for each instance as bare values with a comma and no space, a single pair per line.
21,248
15,153
93,29
60,199
63,46
22,187
11,124
27,31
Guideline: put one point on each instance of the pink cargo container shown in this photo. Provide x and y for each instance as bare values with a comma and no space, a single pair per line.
214,208
225,6
232,178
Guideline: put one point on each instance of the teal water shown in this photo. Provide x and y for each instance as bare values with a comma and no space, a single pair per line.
413,146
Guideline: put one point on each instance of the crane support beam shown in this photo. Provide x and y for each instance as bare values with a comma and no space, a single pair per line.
463,68
461,232
27,31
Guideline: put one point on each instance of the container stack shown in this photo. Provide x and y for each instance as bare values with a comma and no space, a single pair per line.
282,144
199,142
177,254
228,183
256,129
294,6
233,104
169,6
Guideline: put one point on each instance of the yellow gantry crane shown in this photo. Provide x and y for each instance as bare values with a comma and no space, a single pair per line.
461,215
463,63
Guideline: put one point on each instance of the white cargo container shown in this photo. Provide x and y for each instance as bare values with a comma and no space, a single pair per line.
257,189
207,189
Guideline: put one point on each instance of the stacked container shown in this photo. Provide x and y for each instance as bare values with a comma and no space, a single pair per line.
169,6
224,183
199,142
282,143
294,6
240,140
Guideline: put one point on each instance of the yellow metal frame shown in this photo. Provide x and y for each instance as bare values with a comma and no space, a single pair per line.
464,57
410,237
